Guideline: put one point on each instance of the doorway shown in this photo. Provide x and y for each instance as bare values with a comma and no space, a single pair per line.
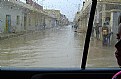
8,23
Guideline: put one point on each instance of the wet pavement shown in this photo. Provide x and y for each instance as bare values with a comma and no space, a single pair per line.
101,56
56,47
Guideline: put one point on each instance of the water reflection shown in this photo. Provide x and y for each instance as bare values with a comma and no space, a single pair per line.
57,47
101,56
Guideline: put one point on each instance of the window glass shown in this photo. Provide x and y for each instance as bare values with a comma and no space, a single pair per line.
104,34
43,33
18,20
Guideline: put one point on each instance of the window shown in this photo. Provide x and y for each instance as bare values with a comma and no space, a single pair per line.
53,35
29,22
18,20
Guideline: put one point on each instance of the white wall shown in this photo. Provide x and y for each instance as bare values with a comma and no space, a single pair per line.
14,12
36,18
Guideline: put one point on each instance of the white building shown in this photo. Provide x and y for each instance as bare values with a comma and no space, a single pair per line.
16,16
106,11
11,17
82,16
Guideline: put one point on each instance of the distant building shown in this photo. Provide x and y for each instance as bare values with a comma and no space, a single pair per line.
61,19
34,4
82,16
53,13
64,20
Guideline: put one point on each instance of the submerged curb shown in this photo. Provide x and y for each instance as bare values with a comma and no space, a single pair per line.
10,35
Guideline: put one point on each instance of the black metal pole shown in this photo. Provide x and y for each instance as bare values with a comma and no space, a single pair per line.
88,35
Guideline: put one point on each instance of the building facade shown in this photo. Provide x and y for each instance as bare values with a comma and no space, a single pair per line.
16,16
82,16
63,20
60,19
107,11
10,17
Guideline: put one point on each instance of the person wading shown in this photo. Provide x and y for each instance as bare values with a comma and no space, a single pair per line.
105,31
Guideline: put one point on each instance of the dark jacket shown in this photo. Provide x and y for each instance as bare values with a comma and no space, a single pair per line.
118,46
118,52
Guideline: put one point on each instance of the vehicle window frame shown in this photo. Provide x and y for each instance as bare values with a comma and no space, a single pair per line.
10,72
63,73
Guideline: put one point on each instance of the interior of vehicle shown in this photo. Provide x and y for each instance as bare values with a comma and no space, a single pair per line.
64,73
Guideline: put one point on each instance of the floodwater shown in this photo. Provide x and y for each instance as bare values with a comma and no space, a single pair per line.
57,47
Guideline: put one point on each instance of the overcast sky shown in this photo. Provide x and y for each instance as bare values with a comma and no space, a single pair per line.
67,7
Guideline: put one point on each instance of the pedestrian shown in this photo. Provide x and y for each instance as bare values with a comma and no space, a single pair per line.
105,31
44,25
92,33
97,30
0,26
109,38
76,26
72,25
118,46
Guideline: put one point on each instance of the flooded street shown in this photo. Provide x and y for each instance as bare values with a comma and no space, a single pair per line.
55,47
101,56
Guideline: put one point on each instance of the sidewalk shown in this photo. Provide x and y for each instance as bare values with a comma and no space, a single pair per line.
9,35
